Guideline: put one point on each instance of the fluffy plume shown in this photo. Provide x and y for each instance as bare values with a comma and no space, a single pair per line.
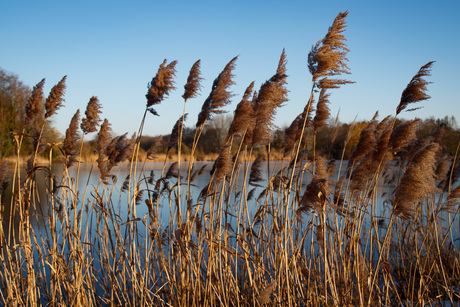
314,196
153,148
272,95
173,171
362,173
91,121
243,114
223,163
174,137
443,169
219,96
403,135
322,110
415,91
294,132
70,147
266,293
193,82
55,99
366,143
292,135
103,141
34,104
321,168
255,174
161,84
452,202
197,173
418,181
328,56
119,149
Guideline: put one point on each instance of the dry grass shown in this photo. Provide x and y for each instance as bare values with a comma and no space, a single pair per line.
317,235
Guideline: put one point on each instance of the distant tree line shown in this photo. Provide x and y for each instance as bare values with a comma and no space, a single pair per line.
13,99
335,140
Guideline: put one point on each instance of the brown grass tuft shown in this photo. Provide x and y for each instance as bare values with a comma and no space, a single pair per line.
243,115
174,137
367,142
70,146
272,95
192,86
103,141
415,91
255,174
34,104
267,292
55,98
119,150
91,121
328,56
161,84
403,135
224,163
418,181
220,95
322,110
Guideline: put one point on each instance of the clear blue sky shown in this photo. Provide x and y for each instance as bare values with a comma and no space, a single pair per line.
112,49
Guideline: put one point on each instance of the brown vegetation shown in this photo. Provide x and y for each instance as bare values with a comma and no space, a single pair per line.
311,231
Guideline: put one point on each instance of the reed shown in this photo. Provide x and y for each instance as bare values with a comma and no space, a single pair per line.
307,232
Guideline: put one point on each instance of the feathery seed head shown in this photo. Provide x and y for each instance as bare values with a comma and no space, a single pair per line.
415,91
161,84
91,121
220,95
193,82
34,104
56,98
70,147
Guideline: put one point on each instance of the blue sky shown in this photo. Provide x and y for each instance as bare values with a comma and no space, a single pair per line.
112,49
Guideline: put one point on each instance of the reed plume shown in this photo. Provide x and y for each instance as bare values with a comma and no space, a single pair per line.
34,104
243,114
91,122
322,110
267,292
452,202
119,149
366,143
255,174
161,85
415,91
403,135
103,141
55,99
192,87
314,197
272,95
70,147
172,171
418,181
328,56
224,163
174,137
292,134
153,149
219,96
